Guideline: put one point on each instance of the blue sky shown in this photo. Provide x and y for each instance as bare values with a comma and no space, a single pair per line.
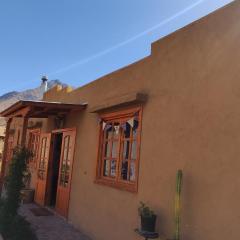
78,41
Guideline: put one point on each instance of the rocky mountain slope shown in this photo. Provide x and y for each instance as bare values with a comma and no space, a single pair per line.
10,98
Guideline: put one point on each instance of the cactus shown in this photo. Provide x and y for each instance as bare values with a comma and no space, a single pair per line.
178,204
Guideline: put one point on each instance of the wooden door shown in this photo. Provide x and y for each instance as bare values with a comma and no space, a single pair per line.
65,172
42,168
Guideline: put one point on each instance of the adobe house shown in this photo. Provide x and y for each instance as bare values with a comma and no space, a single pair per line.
120,140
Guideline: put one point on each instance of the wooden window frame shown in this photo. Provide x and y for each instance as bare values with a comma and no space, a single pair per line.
65,173
42,163
37,132
117,182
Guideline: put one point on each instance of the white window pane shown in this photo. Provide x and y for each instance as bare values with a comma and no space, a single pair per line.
106,167
108,131
114,149
107,153
113,168
134,150
132,171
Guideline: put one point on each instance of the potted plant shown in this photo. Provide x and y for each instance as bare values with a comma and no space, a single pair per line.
148,218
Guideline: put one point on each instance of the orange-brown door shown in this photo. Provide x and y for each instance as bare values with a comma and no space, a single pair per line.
42,168
65,172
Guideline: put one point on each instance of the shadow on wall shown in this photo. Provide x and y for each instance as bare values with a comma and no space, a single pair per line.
187,217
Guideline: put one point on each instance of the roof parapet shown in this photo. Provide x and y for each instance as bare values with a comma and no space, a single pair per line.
67,89
57,90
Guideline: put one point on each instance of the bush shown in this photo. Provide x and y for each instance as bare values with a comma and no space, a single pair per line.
12,226
19,229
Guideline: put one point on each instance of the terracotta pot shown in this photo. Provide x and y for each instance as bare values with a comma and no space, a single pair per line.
27,195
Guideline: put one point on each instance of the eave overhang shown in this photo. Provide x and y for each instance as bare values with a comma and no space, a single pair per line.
40,109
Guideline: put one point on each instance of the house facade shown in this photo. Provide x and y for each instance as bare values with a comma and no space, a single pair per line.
2,137
102,148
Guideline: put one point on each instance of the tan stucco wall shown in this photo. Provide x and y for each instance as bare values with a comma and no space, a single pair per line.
191,121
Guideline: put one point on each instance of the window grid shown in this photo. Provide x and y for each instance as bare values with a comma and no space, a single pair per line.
111,159
126,161
42,161
33,145
65,167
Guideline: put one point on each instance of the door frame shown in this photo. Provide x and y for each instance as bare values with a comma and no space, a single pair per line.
49,183
34,162
56,131
47,168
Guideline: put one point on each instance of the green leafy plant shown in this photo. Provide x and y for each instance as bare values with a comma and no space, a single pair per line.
145,211
20,229
13,226
178,204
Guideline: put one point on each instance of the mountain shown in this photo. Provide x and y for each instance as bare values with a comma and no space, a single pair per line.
10,98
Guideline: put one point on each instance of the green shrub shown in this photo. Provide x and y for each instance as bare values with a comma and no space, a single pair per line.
178,204
12,226
19,229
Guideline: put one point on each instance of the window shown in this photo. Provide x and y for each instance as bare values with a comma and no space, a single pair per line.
33,145
119,147
66,161
43,160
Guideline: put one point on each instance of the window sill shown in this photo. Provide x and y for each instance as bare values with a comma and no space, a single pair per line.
123,100
130,187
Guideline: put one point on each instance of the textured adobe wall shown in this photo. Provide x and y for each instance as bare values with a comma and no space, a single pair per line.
191,121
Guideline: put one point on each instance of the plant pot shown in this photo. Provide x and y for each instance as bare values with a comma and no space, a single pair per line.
148,223
27,195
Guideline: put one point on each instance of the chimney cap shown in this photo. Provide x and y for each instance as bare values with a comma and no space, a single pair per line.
44,78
